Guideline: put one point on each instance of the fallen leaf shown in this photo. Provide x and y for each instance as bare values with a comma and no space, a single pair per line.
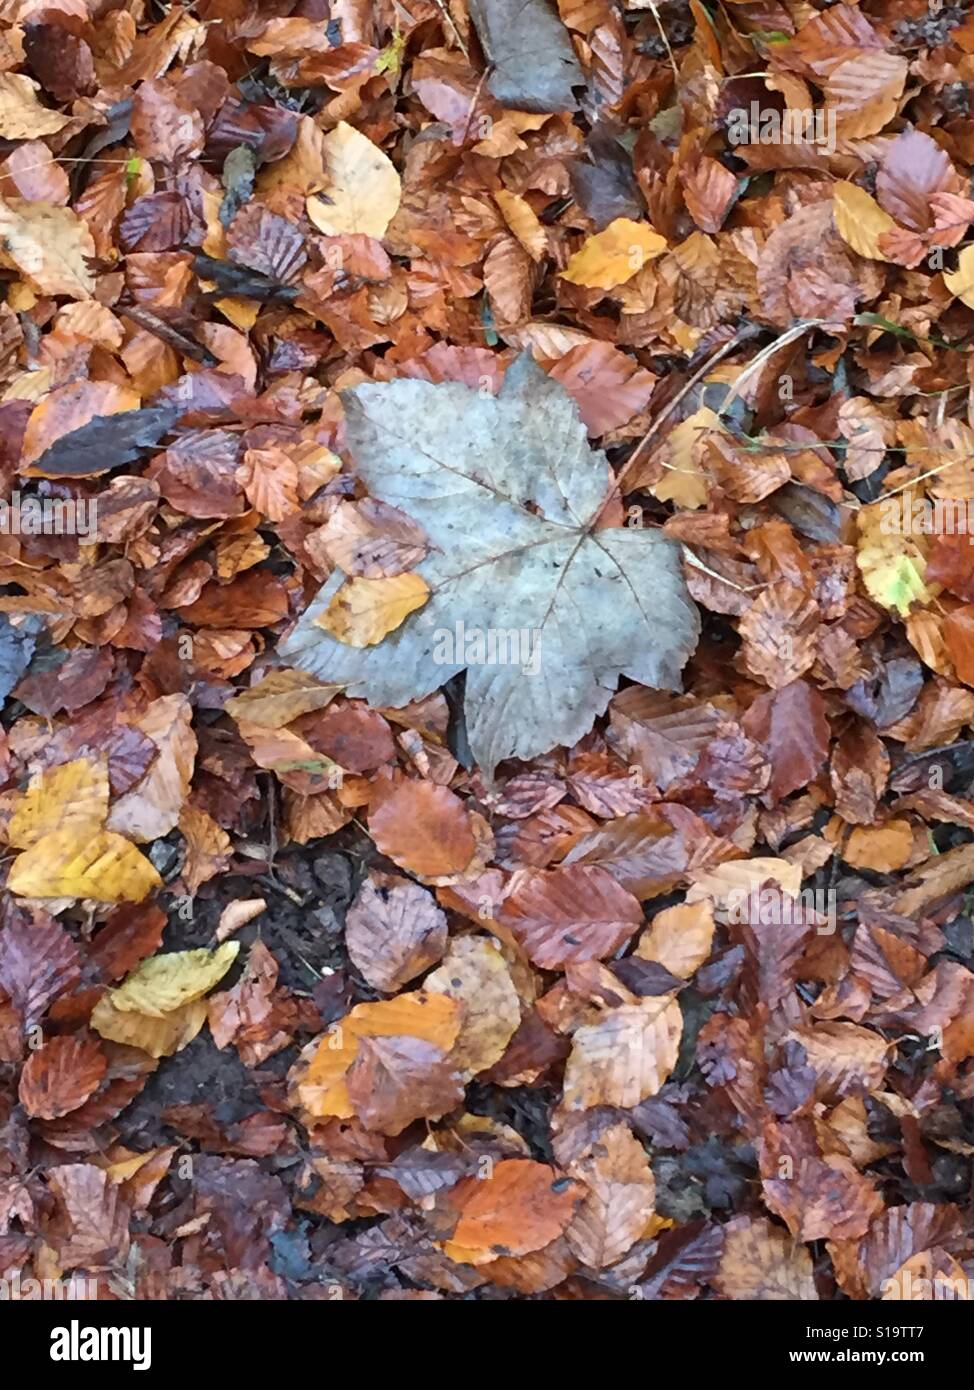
71,798
158,1036
860,220
167,982
48,245
476,976
60,1076
521,1206
363,611
83,864
577,591
22,117
619,1200
532,64
153,807
424,828
573,913
362,189
394,931
625,1057
679,938
614,256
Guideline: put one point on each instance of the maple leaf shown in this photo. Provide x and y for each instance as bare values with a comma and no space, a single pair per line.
507,490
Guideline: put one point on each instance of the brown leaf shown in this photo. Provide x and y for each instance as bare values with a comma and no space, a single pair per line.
424,828
395,1080
569,914
60,1076
625,1057
619,1199
760,1261
369,539
394,931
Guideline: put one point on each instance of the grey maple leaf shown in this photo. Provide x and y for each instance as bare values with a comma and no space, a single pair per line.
508,490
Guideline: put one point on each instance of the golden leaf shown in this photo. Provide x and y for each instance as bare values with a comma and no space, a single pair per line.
684,481
160,1037
165,983
365,610
83,864
614,256
72,797
363,189
860,220
961,282
475,974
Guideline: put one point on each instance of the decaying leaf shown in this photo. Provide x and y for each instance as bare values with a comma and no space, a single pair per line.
533,67
625,1057
362,186
165,983
568,597
394,931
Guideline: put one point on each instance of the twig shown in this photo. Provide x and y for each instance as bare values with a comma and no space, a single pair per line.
165,332
473,102
453,28
750,331
782,340
666,41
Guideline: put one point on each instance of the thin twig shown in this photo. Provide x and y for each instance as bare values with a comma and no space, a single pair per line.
782,340
666,41
473,102
750,331
453,28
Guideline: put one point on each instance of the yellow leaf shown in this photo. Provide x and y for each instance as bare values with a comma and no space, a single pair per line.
164,983
679,938
860,220
280,697
614,256
83,864
363,189
22,117
160,1037
48,245
365,610
320,1077
71,797
475,974
523,221
892,563
961,283
684,481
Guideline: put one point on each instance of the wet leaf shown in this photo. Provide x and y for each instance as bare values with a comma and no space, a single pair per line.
564,572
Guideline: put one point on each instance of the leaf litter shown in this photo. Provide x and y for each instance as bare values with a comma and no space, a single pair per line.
487,642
